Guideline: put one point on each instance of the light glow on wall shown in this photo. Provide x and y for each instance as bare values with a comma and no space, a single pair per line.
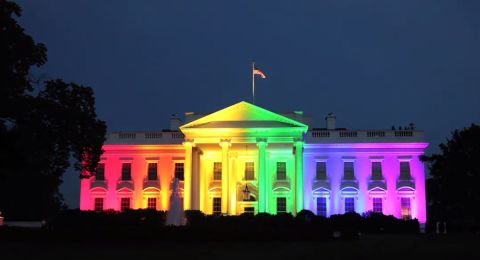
246,133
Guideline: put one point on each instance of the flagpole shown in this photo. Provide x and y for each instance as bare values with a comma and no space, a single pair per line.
253,81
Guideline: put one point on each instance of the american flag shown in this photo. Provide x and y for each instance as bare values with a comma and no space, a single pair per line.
256,71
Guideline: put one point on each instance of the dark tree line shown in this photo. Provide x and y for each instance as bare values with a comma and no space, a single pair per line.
453,192
44,126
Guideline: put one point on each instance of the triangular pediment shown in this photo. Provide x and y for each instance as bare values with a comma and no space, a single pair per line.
244,115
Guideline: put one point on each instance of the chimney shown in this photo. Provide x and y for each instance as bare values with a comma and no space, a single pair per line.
331,121
174,122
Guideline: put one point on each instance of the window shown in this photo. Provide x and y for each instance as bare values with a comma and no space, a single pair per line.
124,204
249,171
249,210
405,171
152,171
100,172
406,210
377,171
217,171
179,171
322,206
321,173
152,203
281,205
349,205
98,204
217,206
377,205
348,171
126,172
281,170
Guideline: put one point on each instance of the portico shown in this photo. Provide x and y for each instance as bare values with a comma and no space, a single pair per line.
248,143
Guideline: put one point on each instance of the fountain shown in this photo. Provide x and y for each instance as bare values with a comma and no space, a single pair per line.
175,215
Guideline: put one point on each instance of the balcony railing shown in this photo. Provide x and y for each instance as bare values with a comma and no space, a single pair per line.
160,137
339,136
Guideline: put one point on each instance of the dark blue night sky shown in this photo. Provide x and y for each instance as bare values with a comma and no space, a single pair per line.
374,63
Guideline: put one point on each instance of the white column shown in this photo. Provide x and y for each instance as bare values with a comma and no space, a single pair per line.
187,170
262,175
298,176
225,144
232,206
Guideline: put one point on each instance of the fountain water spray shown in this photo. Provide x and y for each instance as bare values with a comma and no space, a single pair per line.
175,215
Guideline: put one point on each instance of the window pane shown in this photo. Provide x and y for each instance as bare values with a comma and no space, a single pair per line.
406,209
152,203
179,171
281,171
249,210
217,206
98,204
348,171
322,206
321,173
349,205
217,171
281,205
249,171
405,171
377,205
100,172
126,172
152,171
125,204
377,171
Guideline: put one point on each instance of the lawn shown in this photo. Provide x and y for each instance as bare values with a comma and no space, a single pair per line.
451,246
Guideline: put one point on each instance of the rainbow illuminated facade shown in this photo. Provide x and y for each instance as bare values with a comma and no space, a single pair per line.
247,159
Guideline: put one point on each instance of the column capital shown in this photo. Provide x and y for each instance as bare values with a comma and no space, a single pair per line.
261,140
298,141
224,143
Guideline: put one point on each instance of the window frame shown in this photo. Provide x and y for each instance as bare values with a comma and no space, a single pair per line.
247,172
149,204
405,175
102,172
347,202
182,174
217,205
377,172
322,211
318,174
99,201
408,210
281,176
345,176
126,171
281,203
149,169
377,205
217,175
122,204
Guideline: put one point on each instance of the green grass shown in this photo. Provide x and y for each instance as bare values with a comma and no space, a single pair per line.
451,246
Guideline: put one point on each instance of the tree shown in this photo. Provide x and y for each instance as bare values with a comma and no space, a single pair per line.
43,127
453,191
